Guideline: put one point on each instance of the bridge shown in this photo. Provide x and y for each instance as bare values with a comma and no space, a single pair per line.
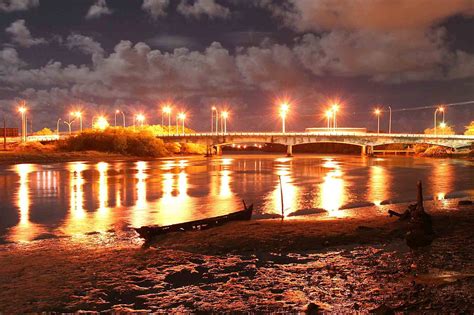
367,141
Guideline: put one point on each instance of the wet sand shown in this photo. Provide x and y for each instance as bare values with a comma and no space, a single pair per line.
340,265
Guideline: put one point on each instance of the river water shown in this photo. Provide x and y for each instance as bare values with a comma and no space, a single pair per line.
76,198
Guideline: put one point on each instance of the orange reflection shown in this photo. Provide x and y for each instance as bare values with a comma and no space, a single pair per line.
102,218
379,184
76,190
442,180
290,191
25,230
333,194
139,212
76,222
102,167
175,205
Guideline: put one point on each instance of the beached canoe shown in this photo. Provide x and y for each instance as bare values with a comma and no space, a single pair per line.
148,232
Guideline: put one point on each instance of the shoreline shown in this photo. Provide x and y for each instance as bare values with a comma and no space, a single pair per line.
230,267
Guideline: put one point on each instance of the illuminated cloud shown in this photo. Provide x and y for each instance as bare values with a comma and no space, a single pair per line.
98,9
156,8
17,5
198,8
21,35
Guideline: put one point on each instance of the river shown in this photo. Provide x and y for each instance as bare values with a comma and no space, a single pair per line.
76,198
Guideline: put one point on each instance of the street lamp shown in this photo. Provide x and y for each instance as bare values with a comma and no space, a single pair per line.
181,116
377,113
101,123
140,118
329,116
335,108
283,112
224,116
22,110
79,115
123,117
390,119
214,109
166,110
57,126
439,109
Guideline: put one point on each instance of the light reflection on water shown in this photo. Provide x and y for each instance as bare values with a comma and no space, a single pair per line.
77,198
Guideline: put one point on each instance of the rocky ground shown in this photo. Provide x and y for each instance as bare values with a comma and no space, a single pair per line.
339,265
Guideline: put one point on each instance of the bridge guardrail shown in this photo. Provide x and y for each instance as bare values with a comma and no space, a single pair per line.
331,134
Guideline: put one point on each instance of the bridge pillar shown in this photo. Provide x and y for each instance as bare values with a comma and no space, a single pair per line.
218,150
363,150
289,150
370,150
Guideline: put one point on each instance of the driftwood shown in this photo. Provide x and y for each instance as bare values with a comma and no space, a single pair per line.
420,230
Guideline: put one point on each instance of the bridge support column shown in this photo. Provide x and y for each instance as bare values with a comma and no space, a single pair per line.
289,150
218,150
370,150
363,150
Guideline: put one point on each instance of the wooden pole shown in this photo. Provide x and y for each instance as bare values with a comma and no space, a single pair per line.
282,203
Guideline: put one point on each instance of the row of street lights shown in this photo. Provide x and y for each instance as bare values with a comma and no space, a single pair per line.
139,119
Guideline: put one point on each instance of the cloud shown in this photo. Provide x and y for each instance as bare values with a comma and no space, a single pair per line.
376,15
170,42
21,35
17,5
156,8
98,9
200,8
9,61
85,44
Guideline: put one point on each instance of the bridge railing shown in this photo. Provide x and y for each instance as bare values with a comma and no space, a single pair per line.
331,134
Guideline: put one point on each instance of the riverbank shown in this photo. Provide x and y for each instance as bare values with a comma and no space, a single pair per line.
339,265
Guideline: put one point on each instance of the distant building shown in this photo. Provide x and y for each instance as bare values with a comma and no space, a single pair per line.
345,130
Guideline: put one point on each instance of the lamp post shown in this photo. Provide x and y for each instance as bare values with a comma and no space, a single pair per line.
182,116
283,112
123,117
79,115
140,118
390,119
57,126
22,111
377,113
335,108
329,116
167,110
214,109
439,109
224,115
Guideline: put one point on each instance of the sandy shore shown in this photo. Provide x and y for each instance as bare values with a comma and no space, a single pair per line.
340,265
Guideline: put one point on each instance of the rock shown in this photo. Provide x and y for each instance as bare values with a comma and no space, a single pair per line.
465,203
312,309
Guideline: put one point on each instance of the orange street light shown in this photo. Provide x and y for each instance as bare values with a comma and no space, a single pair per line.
329,116
79,115
377,113
284,108
101,123
439,109
182,116
335,108
224,115
140,118
22,110
123,117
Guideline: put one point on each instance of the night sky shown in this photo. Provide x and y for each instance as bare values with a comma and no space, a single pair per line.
243,55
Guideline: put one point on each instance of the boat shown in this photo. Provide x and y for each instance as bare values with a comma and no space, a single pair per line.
148,232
